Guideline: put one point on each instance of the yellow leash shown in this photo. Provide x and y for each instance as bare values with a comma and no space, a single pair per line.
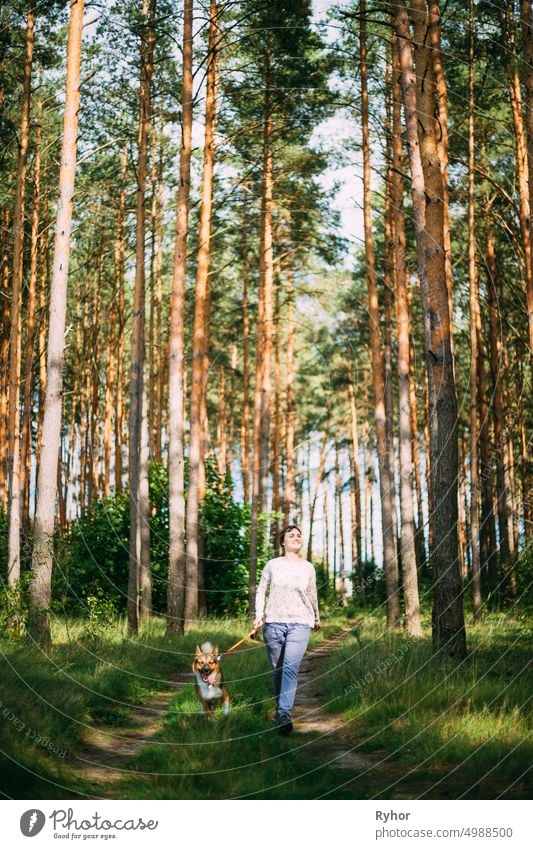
234,646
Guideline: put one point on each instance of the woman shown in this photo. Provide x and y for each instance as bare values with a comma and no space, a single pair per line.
291,611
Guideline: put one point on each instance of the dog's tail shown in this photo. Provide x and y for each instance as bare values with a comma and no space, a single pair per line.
207,648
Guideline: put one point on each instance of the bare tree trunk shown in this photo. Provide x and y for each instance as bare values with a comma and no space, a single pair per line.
13,451
427,193
312,508
245,432
4,353
442,142
356,522
137,468
145,575
31,340
412,623
503,484
291,415
199,376
386,482
222,425
475,324
120,271
526,15
41,583
260,470
276,439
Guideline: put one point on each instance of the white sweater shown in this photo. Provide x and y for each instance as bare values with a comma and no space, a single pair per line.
291,587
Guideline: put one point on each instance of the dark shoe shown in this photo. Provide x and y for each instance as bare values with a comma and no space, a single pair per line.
283,724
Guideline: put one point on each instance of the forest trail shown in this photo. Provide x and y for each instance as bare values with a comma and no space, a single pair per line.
372,775
104,759
106,750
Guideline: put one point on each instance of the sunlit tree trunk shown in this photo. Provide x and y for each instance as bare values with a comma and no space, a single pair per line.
201,317
31,341
262,401
427,194
13,440
176,384
245,430
386,481
120,260
475,323
521,146
356,491
137,468
276,434
291,414
503,485
526,16
442,141
5,282
41,581
412,624
313,499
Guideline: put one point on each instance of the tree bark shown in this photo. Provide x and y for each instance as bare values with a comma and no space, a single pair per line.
386,482
137,468
503,484
260,469
526,15
245,435
412,623
41,582
31,340
427,192
475,324
13,435
201,318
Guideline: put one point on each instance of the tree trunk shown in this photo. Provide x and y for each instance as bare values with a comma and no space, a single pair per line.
386,481
201,318
31,340
526,15
245,435
13,455
356,522
137,468
475,323
4,353
260,470
503,484
291,416
427,193
41,582
120,272
312,508
412,624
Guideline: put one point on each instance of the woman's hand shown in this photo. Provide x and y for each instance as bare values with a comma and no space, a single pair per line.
316,626
255,628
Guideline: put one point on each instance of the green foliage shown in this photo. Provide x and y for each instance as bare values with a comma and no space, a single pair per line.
92,570
225,526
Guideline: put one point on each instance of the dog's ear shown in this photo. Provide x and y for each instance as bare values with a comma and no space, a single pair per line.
215,650
199,651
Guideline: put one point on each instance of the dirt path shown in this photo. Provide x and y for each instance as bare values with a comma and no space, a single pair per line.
334,743
106,750
104,758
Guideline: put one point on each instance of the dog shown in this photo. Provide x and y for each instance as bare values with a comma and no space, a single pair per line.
210,687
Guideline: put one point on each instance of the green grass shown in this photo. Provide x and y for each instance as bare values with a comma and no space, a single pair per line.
93,676
423,716
467,722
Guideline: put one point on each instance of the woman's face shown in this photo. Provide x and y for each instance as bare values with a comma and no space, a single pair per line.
292,541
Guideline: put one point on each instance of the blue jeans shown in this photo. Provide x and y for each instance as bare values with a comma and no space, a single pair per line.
285,643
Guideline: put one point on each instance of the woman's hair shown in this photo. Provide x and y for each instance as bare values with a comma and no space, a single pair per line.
286,530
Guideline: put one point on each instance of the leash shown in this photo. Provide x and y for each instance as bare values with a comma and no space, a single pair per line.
240,642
